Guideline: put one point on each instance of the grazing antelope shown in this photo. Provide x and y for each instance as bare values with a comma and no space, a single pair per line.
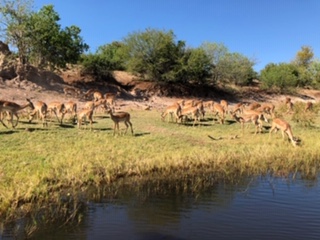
57,108
174,109
40,108
193,111
12,109
71,107
280,124
118,117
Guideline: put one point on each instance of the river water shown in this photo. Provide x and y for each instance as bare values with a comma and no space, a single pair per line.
249,208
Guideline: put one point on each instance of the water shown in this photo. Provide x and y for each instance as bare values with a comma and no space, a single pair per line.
251,208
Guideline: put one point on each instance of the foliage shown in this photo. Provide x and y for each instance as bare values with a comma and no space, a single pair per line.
304,56
14,19
153,53
38,37
229,67
281,76
107,58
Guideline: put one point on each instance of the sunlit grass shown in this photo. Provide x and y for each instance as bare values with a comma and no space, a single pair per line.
40,165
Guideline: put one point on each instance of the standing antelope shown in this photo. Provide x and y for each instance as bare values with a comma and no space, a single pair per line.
225,105
120,117
285,128
219,110
87,113
254,118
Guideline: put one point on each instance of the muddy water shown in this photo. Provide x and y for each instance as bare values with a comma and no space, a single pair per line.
250,208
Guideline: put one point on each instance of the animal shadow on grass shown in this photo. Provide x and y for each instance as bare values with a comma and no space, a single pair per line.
141,134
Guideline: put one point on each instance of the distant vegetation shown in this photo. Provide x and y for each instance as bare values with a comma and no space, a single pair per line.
151,54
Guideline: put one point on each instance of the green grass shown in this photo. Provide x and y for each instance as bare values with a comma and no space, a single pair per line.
39,166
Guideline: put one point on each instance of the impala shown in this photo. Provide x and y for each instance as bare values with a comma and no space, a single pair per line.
12,109
308,107
57,108
225,105
40,108
267,108
97,95
253,118
219,110
71,107
254,105
174,109
238,107
284,126
289,105
193,111
118,117
87,113
71,91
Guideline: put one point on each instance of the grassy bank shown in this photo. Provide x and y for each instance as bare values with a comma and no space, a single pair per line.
39,167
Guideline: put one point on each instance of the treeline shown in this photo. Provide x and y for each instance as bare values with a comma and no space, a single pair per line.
151,54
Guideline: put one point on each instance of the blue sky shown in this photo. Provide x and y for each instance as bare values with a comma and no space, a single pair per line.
269,31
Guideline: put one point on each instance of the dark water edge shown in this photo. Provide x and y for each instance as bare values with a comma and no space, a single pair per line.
199,207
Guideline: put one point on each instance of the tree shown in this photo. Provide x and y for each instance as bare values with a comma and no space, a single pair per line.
51,46
282,76
37,35
304,56
153,53
14,19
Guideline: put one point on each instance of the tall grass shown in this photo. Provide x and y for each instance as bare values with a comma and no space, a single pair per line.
41,167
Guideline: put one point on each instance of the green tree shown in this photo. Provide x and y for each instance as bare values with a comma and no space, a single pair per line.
154,54
304,56
14,16
198,66
282,76
50,45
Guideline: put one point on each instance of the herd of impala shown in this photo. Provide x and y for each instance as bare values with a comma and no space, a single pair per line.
180,111
59,109
254,112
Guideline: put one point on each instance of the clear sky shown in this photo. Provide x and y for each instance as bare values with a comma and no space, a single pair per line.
270,31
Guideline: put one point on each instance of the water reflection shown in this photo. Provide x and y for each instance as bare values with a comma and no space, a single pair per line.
200,208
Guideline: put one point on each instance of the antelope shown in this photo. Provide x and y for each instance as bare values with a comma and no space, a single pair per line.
174,109
111,98
289,105
12,109
193,111
120,117
219,110
254,118
97,95
71,91
40,108
308,107
267,108
88,93
225,105
71,107
238,107
57,108
254,105
200,106
87,113
256,112
285,127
